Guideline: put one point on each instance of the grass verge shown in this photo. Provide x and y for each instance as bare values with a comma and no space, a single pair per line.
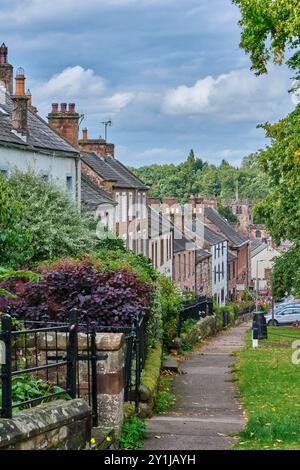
269,384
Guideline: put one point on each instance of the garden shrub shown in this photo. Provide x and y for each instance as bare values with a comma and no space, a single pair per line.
170,303
14,240
39,221
104,298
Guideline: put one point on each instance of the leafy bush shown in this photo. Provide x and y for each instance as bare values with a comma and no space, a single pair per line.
39,221
14,240
27,387
104,298
133,432
170,302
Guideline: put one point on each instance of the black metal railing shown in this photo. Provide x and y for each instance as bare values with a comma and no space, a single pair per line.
21,357
61,365
195,310
49,351
135,356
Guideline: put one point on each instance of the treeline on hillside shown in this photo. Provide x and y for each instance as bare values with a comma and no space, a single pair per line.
195,176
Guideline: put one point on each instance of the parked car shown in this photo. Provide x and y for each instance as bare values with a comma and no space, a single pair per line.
288,314
284,303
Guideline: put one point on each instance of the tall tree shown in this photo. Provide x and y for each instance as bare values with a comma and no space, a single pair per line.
271,31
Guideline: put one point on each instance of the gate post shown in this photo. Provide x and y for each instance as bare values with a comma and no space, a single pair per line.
6,409
72,354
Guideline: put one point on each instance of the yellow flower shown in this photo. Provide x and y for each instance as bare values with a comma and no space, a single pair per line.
108,439
93,441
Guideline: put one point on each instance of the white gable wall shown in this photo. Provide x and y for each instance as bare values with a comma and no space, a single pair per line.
56,168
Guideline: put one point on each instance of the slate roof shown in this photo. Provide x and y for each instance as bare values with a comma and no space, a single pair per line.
231,257
258,249
201,254
182,242
40,135
202,230
91,195
111,169
229,232
157,222
126,174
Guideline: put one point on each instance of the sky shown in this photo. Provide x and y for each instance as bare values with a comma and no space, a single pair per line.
168,73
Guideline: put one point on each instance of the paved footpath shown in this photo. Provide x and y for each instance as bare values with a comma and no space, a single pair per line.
207,408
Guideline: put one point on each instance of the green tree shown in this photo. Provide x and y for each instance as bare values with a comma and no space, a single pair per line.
271,31
281,207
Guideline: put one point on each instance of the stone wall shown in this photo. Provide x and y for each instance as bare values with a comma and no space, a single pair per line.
110,373
59,425
203,329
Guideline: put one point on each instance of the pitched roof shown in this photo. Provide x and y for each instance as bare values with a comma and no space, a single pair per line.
126,174
231,257
40,134
229,232
91,195
100,166
202,254
258,249
157,223
203,231
182,242
111,169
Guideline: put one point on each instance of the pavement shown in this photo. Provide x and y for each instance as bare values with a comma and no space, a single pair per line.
207,409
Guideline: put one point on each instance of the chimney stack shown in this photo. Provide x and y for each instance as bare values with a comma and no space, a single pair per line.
99,146
85,134
65,121
32,108
20,104
6,70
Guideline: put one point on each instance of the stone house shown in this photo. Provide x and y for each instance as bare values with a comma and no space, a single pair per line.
243,210
27,143
204,272
263,256
231,274
184,270
238,244
258,232
161,242
99,165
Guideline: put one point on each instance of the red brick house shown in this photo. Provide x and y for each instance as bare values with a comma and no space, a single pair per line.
238,245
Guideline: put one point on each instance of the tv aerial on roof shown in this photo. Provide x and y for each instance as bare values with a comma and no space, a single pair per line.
106,124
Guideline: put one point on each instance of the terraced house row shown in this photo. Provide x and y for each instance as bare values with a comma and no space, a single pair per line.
191,243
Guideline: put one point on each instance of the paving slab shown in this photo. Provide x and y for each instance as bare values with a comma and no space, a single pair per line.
207,411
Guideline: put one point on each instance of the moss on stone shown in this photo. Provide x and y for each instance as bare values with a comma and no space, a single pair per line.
152,369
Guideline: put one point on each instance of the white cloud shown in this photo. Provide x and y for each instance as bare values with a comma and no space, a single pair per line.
238,95
118,101
73,81
83,87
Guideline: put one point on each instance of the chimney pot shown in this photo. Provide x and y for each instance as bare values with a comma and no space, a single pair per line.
54,107
84,134
20,82
63,107
72,107
3,54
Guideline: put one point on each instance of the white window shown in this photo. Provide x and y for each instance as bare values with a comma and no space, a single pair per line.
130,206
139,243
118,208
144,206
139,202
124,207
130,241
145,242
69,182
